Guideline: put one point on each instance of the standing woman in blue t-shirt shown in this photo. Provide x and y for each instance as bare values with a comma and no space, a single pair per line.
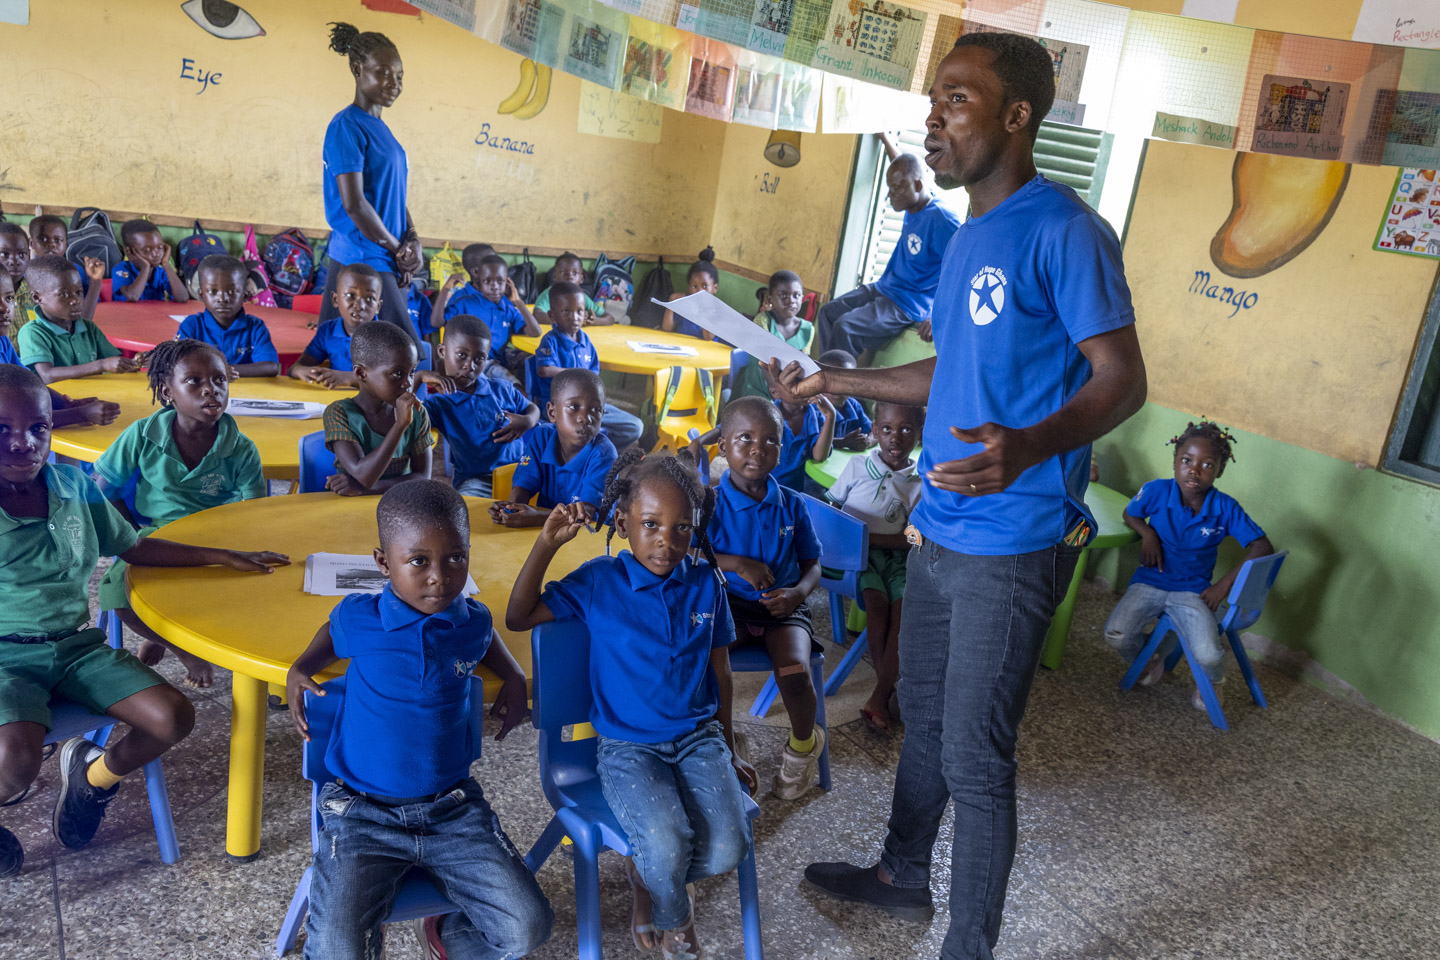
365,178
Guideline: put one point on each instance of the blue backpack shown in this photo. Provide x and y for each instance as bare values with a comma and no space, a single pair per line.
195,248
290,262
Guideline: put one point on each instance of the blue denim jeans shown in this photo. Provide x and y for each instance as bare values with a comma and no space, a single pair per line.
366,848
474,487
622,428
863,319
1142,603
680,805
969,645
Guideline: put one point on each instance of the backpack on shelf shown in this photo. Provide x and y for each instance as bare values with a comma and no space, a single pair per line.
289,262
191,251
656,285
322,265
614,290
524,275
92,236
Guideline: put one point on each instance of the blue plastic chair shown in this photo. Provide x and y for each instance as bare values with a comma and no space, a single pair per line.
317,463
560,653
704,464
418,896
738,361
1246,602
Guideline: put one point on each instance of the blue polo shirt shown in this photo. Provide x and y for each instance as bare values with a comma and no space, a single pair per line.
124,274
1189,540
795,447
466,420
559,350
913,273
582,480
331,342
851,416
246,340
1021,285
648,635
8,353
403,726
776,531
356,142
419,307
503,318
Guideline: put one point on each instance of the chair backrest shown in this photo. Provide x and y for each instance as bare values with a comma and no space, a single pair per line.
739,360
1250,590
502,481
560,688
844,540
317,463
683,392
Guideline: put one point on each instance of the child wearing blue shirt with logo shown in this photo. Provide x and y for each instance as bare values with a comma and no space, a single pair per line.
490,295
807,429
326,360
1188,519
660,632
564,461
480,418
401,748
852,423
566,346
242,339
146,273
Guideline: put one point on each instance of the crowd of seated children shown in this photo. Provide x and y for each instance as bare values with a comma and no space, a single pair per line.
187,457
66,411
702,277
565,460
401,748
482,419
852,424
46,648
779,315
569,268
567,346
148,271
881,488
326,360
242,339
60,343
660,632
490,295
50,238
380,436
1187,521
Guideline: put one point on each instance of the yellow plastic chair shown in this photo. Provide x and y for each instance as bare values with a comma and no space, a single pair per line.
684,401
502,481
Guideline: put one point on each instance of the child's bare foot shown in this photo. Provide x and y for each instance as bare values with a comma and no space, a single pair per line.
198,673
877,713
642,929
151,653
681,944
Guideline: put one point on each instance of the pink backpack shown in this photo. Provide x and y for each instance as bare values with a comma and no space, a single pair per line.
256,266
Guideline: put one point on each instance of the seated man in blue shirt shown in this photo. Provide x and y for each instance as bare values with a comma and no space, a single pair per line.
242,338
401,747
566,346
490,295
147,273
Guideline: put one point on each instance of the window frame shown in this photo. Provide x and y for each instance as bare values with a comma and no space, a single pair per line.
1427,353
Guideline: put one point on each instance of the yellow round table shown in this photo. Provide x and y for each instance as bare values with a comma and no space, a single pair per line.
615,354
256,625
278,440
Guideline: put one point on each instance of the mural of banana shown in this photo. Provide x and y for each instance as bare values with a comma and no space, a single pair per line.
531,94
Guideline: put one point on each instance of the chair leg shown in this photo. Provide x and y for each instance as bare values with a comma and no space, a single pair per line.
545,845
837,619
847,663
1246,670
1203,684
750,907
1143,657
587,892
765,698
160,811
294,916
817,676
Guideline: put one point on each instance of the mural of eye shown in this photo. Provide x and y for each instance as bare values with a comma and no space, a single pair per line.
223,19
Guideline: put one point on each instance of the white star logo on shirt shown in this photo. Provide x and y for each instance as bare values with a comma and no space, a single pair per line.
913,244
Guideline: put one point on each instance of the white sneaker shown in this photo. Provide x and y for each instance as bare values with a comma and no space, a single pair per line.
1152,673
798,770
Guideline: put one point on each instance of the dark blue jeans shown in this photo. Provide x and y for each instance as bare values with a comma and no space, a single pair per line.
366,848
969,645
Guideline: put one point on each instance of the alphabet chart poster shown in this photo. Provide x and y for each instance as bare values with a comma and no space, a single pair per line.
1412,220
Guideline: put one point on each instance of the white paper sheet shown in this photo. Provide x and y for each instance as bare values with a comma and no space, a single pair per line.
1406,23
277,409
670,349
341,574
710,312
178,317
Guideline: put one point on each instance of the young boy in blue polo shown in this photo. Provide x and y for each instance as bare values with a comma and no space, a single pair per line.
806,434
54,525
852,423
147,273
564,461
401,748
60,344
567,346
479,418
326,360
490,295
244,340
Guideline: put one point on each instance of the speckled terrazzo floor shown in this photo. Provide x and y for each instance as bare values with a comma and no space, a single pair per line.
1309,831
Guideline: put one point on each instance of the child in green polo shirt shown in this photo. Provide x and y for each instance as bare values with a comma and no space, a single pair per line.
54,524
60,344
188,457
381,435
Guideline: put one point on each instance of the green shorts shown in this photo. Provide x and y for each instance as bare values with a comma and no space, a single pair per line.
81,668
112,593
885,572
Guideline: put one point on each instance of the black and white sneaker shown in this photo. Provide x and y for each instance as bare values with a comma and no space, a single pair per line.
80,807
12,855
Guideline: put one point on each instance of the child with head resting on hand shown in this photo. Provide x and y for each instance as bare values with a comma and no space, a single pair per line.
327,359
243,340
147,272
50,238
401,748
67,411
54,525
490,295
807,427
60,344
660,633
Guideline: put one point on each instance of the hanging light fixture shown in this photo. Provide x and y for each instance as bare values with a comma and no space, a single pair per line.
783,148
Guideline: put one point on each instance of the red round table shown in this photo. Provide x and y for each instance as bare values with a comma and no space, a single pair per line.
137,327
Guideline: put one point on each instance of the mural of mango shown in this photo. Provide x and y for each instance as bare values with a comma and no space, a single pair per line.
1280,205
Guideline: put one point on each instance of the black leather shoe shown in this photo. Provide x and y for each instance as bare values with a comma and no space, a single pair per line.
12,855
845,881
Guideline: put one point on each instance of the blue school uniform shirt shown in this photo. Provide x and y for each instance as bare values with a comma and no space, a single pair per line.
466,421
1021,285
8,354
503,318
851,416
776,531
557,349
332,343
356,142
795,447
124,274
648,634
1189,540
247,340
402,728
419,307
911,276
582,480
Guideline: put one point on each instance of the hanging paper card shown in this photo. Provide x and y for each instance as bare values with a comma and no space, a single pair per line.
1410,122
1068,60
872,40
852,106
1300,117
725,20
808,20
594,43
657,64
607,113
799,98
770,26
459,12
711,92
757,89
1412,219
532,29
656,11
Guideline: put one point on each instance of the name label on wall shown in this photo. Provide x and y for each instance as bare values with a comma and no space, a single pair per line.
205,78
1204,286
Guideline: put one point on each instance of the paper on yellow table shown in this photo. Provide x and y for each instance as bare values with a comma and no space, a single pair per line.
710,312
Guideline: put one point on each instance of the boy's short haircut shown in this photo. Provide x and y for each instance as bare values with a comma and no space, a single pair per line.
46,220
572,378
784,276
567,255
8,228
918,411
837,358
466,325
565,289
224,263
14,376
471,256
756,408
133,228
376,342
358,270
51,268
420,503
493,260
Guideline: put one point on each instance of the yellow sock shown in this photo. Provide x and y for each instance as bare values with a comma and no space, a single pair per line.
802,746
100,776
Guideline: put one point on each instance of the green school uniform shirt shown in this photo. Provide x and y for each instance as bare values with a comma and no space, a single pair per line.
542,302
750,381
41,341
46,562
230,471
344,420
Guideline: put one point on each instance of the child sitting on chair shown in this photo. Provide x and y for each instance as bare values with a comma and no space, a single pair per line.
67,411
327,359
60,344
785,295
852,425
50,238
658,621
380,436
479,417
147,273
881,488
570,269
490,295
808,428
1188,519
702,277
14,257
242,339
54,525
401,748
567,346
188,457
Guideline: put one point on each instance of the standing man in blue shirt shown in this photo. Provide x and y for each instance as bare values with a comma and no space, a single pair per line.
1038,356
873,314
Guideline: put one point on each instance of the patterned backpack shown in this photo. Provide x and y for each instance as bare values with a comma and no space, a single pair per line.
192,250
289,262
614,290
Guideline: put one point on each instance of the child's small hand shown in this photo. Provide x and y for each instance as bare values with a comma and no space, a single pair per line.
119,365
1152,554
781,602
512,292
512,705
231,372
827,409
95,269
746,774
454,280
437,382
296,683
926,333
98,412
1214,594
509,513
259,561
757,574
327,377
564,523
165,253
345,485
515,426
405,409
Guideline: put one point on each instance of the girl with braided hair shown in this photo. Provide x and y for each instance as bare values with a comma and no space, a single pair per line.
660,631
1187,520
